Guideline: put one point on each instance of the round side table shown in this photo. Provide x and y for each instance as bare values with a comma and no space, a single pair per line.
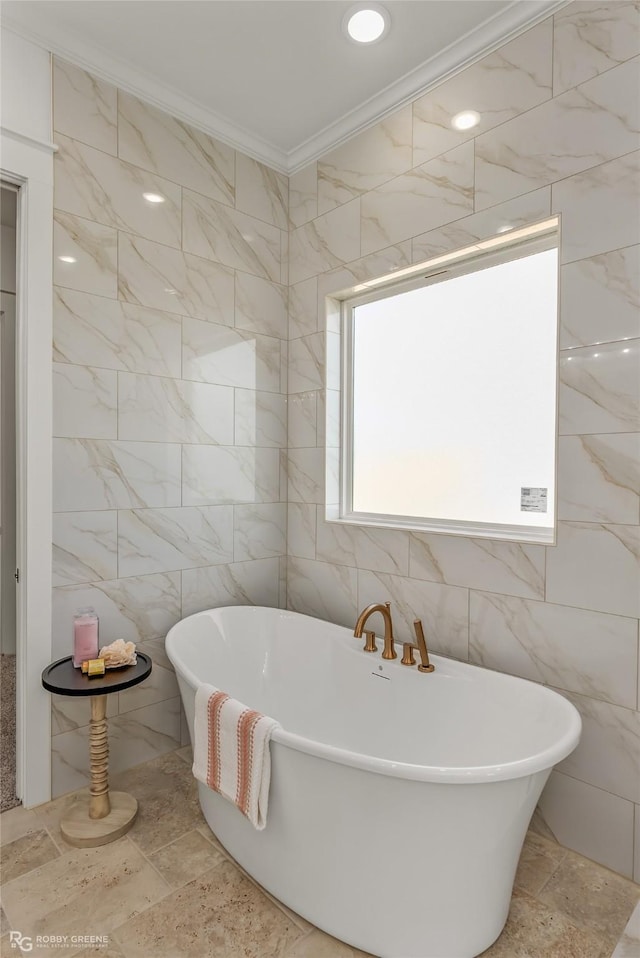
99,817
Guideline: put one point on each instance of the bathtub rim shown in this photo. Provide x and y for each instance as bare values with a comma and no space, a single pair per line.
470,775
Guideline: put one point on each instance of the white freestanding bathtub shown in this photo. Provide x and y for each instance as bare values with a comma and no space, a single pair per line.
399,800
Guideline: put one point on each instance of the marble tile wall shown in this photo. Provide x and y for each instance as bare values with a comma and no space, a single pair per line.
560,133
169,405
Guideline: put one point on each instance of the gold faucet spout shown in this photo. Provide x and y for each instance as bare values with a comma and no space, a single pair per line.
385,611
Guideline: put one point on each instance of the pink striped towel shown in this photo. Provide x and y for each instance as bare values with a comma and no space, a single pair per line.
231,751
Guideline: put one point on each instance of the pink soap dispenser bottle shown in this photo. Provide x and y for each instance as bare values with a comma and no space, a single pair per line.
85,636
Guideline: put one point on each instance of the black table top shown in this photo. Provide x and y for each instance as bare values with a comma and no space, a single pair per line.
63,679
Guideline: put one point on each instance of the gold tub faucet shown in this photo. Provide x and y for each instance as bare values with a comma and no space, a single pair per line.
385,611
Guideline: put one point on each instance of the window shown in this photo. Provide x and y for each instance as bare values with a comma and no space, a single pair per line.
448,393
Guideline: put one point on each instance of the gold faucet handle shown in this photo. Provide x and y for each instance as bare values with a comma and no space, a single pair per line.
425,665
370,641
407,654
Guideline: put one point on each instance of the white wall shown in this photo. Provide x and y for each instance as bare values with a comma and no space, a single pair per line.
25,101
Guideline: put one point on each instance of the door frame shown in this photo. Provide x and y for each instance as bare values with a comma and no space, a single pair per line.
28,164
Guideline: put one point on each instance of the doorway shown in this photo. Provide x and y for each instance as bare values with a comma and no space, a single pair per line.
8,286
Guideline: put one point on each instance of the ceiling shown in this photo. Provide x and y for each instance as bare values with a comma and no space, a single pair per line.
275,78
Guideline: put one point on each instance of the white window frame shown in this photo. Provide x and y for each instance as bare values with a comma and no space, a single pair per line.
517,244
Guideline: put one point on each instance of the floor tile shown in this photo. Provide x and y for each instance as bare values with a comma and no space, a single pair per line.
535,931
319,945
17,822
25,854
220,915
186,754
187,858
593,897
167,801
112,950
87,891
538,861
4,922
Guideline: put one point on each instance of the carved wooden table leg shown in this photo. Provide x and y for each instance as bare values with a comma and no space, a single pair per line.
99,805
99,817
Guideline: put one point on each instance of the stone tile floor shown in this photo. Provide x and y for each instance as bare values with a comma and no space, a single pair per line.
168,890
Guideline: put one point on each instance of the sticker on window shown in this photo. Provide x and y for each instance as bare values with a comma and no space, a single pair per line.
533,499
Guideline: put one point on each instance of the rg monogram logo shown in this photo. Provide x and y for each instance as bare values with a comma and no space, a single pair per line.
20,941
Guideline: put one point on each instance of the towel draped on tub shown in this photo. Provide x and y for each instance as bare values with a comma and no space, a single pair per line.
231,751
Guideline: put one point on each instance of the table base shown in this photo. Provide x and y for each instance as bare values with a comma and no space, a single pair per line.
84,832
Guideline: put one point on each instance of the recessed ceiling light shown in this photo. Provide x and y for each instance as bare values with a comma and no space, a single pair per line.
67,259
154,197
465,120
366,22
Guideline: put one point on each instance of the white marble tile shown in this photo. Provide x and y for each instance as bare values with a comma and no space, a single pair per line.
519,211
326,242
435,193
160,686
600,389
499,87
306,475
595,567
590,124
230,237
284,365
84,547
143,734
155,409
608,754
94,331
509,567
586,652
600,298
100,187
629,944
590,821
600,208
301,530
152,139
255,582
306,363
376,264
380,550
229,357
261,306
599,478
259,530
261,192
260,419
165,540
98,474
84,402
134,609
302,419
590,38
303,308
303,195
444,610
229,474
366,160
150,274
71,712
84,107
325,591
69,761
94,250
636,851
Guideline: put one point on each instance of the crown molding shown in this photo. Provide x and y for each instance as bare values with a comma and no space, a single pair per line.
519,16
131,80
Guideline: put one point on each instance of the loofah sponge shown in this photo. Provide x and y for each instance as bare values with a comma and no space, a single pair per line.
118,653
